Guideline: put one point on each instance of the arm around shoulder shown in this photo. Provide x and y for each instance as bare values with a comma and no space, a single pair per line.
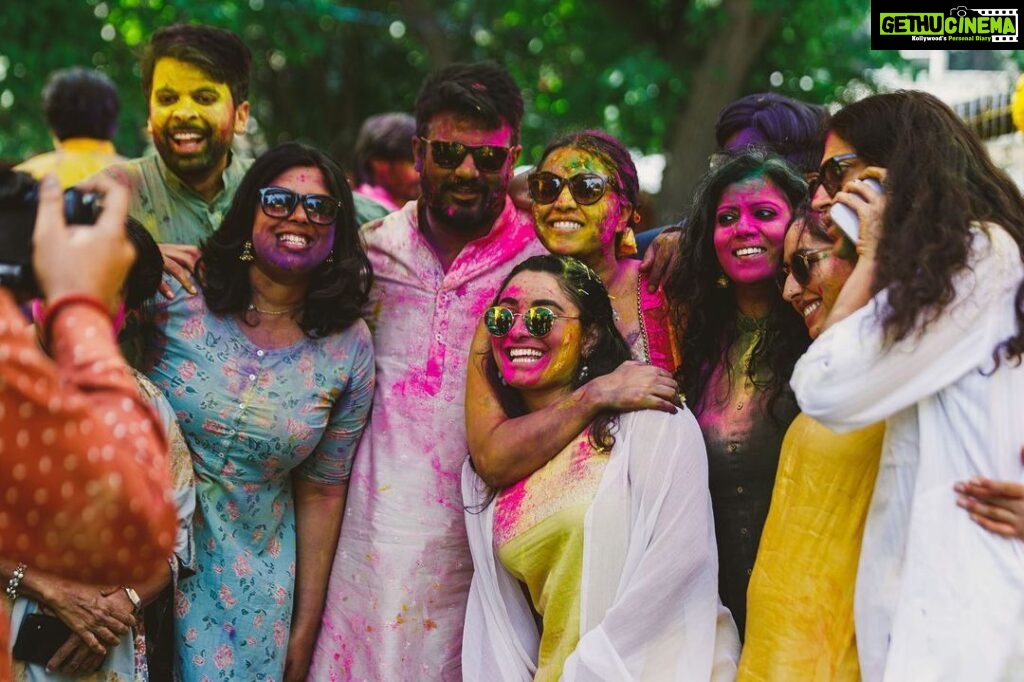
504,449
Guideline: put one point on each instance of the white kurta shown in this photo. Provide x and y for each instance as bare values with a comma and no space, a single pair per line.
938,597
649,607
397,593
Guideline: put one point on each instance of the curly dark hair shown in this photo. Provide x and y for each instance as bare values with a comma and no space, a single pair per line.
939,180
337,291
482,91
80,102
705,314
607,350
219,53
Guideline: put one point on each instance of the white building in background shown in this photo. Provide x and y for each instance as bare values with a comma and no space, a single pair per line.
979,84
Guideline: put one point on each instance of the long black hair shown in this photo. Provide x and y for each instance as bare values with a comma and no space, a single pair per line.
705,313
605,349
337,291
939,180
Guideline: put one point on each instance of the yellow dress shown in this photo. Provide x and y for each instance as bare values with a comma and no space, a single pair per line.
538,536
800,599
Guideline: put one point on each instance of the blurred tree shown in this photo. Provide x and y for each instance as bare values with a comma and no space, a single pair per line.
653,72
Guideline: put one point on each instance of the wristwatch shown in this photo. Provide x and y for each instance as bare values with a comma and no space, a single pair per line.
133,597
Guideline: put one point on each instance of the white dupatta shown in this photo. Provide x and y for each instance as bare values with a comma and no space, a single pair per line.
649,608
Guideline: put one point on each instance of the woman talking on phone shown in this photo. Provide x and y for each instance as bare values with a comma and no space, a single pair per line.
927,335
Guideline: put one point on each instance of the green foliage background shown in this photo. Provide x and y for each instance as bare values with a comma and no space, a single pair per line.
320,67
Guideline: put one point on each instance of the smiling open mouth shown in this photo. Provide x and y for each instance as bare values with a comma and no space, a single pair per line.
810,308
524,355
187,140
749,251
566,226
290,240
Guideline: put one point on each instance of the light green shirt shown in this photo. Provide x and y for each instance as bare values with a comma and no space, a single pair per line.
169,209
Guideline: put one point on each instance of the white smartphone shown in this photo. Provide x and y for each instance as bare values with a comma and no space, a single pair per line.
846,218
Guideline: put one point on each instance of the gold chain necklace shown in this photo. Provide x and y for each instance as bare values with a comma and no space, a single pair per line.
261,311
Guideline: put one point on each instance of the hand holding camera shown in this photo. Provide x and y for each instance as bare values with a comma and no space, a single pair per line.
89,260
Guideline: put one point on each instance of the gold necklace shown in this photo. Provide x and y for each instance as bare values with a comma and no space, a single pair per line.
256,308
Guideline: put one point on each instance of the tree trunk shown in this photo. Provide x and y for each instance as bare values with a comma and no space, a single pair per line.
423,19
718,80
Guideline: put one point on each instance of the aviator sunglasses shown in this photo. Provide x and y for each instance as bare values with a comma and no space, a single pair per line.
800,266
830,175
488,158
585,188
538,320
278,202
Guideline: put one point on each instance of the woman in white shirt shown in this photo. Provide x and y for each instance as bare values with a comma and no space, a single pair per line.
602,563
926,334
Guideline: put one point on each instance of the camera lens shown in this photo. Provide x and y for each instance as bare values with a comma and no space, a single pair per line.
80,208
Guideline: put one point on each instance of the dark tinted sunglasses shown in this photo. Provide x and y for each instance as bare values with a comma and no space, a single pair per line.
278,202
830,175
488,158
538,320
800,266
585,188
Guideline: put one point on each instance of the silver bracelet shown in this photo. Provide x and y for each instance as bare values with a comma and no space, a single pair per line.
12,584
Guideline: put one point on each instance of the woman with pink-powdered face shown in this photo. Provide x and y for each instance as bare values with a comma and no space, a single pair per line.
604,557
739,341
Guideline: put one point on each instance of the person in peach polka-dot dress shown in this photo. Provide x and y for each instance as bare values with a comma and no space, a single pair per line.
84,488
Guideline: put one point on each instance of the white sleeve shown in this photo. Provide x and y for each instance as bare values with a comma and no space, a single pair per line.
665,621
499,638
849,378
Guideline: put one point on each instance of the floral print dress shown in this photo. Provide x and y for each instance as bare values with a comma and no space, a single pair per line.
253,418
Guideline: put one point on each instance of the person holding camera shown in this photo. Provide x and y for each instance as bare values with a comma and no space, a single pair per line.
84,483
55,620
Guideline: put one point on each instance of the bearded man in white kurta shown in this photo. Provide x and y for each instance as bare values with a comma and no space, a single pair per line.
397,595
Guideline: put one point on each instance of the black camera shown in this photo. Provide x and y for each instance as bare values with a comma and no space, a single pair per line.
19,198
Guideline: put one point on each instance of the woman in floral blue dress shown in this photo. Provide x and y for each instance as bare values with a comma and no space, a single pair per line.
270,371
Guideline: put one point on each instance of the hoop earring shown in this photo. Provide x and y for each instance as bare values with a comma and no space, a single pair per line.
247,256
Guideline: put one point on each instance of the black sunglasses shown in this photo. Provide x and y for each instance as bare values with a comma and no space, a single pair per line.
538,320
488,158
830,175
800,266
278,202
585,188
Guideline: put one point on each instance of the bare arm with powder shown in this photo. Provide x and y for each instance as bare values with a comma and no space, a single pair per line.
505,450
